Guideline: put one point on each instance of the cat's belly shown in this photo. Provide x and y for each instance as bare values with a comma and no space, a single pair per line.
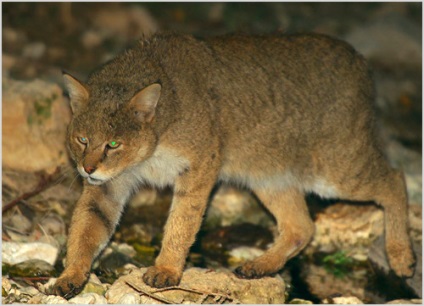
279,181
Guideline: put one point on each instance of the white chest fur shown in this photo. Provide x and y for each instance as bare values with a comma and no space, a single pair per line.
161,169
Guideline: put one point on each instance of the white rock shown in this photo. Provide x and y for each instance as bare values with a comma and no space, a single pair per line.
233,206
130,298
88,298
31,291
5,284
244,253
47,299
13,252
402,301
347,300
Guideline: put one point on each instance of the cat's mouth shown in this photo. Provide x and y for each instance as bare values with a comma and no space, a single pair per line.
94,181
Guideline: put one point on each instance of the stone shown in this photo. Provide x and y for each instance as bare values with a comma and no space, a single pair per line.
124,23
34,50
47,299
88,298
5,284
391,40
347,227
130,298
231,206
201,286
241,254
91,39
403,301
14,252
35,118
343,300
300,301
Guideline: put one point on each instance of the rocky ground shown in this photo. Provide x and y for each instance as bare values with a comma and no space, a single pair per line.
344,263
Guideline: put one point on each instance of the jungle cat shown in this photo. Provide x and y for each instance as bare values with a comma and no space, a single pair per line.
282,115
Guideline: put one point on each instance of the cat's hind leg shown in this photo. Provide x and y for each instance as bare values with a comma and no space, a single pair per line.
295,227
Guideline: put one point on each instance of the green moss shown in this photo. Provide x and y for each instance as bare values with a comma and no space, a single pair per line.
339,263
43,110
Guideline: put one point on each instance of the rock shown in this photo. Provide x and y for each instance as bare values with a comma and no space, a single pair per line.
343,300
390,40
13,36
47,299
202,286
146,196
402,301
13,252
300,301
351,228
88,298
35,118
124,23
130,298
30,291
5,284
53,224
32,268
91,39
323,283
92,287
231,206
242,254
8,61
34,50
19,223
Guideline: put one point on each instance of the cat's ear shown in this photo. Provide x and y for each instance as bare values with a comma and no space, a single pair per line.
144,102
77,92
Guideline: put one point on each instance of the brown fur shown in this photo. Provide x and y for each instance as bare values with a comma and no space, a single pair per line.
281,115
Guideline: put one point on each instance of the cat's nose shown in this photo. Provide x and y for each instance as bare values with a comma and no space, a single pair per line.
89,169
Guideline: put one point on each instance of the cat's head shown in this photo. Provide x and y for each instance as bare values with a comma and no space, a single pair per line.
107,135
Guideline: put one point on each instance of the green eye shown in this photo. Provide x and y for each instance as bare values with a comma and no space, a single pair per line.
83,140
113,144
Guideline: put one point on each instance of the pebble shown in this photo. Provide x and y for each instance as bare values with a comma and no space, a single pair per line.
130,298
34,50
47,299
88,298
242,254
15,252
343,300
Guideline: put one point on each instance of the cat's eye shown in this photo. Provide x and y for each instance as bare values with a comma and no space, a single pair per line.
83,140
113,144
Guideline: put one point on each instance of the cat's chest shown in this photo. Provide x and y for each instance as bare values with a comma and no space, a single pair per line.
162,168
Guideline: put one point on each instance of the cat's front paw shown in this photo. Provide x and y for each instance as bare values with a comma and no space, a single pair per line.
161,277
70,284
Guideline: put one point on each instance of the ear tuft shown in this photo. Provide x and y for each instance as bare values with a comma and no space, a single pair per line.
145,101
77,92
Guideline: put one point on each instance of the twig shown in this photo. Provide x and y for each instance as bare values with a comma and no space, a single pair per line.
218,298
151,295
44,183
